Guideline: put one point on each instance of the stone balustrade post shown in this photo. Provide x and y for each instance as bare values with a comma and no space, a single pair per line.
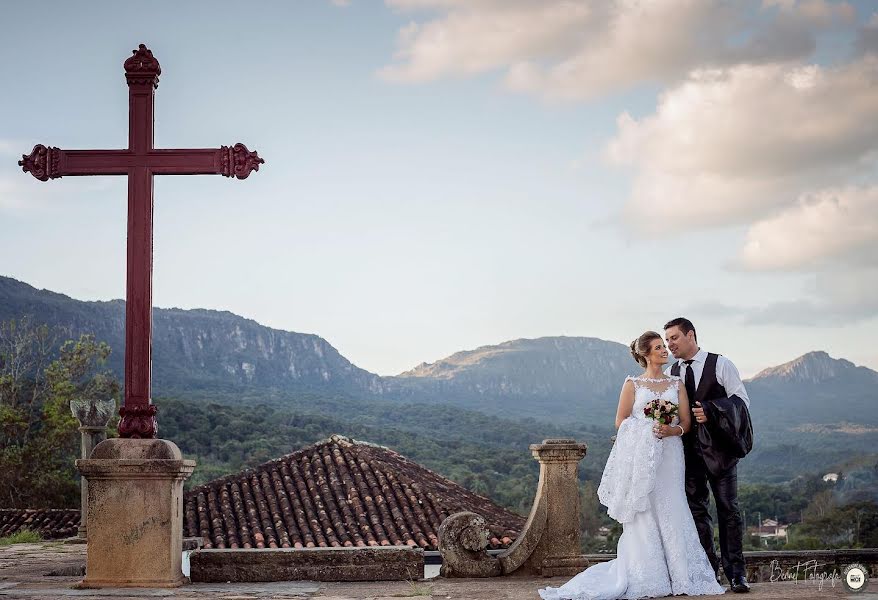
93,416
549,544
558,551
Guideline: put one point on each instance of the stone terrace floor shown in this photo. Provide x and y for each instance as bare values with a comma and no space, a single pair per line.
49,570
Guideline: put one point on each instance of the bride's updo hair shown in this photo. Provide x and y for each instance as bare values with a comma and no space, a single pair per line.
640,347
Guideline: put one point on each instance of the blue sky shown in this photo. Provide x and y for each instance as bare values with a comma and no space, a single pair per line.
443,174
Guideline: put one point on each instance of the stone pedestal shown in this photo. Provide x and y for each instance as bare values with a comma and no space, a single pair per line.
93,416
134,513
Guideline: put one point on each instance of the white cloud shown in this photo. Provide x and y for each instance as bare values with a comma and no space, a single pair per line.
477,36
835,225
831,236
745,133
838,296
576,49
732,145
835,297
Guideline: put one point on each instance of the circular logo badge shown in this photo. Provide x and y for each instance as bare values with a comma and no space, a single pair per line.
855,577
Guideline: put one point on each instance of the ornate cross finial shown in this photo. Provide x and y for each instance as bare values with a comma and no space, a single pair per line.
142,67
238,162
43,163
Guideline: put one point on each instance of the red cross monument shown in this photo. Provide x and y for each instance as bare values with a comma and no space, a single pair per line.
140,161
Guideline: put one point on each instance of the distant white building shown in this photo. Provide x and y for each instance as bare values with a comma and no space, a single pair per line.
833,477
771,529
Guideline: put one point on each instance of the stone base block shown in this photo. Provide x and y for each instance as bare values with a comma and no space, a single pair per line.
377,563
566,566
134,513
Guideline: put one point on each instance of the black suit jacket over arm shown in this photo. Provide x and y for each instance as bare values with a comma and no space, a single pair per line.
727,435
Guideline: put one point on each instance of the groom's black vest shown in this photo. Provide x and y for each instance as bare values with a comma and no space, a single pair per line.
708,389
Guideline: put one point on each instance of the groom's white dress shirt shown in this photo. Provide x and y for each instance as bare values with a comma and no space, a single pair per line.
726,374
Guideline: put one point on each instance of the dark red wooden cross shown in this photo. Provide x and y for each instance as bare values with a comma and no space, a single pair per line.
140,162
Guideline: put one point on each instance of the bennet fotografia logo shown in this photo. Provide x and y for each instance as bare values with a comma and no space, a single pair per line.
855,577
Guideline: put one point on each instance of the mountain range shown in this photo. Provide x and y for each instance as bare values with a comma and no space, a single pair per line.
559,379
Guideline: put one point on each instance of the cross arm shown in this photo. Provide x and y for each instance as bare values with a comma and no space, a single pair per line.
230,161
46,163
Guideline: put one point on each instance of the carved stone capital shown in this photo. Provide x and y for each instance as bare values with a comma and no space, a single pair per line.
559,451
93,413
44,163
138,421
237,161
142,67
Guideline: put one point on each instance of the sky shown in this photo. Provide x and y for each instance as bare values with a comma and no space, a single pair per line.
446,174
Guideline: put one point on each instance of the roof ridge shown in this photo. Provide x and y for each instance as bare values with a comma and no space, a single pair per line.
335,438
347,441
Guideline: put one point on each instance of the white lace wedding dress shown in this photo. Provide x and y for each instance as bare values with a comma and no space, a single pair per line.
658,553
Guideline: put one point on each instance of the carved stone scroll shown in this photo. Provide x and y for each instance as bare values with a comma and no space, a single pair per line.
463,538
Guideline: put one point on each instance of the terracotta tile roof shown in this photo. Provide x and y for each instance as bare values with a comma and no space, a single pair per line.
338,492
51,523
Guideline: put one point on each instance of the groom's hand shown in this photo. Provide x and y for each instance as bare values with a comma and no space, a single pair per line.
699,413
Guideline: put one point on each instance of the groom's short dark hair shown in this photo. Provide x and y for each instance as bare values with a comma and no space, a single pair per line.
684,324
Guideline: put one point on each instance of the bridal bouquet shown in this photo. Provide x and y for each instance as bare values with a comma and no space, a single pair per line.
662,411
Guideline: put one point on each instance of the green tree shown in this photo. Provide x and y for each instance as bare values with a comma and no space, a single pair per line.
38,434
822,506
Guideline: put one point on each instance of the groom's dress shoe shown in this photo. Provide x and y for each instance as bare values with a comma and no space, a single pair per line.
739,585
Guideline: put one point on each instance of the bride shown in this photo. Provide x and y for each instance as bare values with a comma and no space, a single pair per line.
659,553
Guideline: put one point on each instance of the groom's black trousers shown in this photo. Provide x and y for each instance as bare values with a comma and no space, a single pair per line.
731,527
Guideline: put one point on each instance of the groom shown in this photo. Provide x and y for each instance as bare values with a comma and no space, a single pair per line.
721,434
